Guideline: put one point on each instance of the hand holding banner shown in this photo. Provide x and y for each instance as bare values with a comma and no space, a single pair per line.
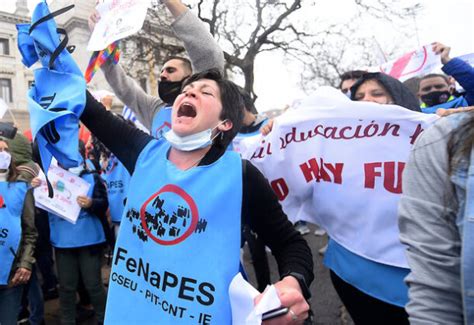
119,19
412,64
67,187
338,163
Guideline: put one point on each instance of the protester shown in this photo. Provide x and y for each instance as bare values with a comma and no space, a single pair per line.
32,303
348,79
205,117
252,122
78,247
373,293
436,224
117,180
17,235
435,90
204,53
383,89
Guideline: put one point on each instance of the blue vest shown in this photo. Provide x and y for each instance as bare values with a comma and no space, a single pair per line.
117,178
235,144
12,197
90,165
381,281
161,122
179,242
58,97
87,231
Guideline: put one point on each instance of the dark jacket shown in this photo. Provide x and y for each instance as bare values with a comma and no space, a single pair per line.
400,93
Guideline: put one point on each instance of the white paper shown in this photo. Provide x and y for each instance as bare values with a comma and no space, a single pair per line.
67,187
3,108
242,296
412,64
118,19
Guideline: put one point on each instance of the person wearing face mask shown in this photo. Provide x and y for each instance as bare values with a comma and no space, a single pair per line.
179,239
204,53
78,247
436,91
17,236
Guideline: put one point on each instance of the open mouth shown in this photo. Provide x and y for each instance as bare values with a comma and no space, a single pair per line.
187,110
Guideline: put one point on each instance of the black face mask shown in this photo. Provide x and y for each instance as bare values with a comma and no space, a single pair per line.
435,98
169,90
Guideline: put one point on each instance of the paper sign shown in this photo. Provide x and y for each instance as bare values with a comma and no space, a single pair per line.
242,296
412,64
118,19
67,187
3,108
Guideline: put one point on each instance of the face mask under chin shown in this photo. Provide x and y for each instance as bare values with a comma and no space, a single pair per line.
193,141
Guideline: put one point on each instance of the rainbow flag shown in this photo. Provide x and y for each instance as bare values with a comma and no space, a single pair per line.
100,57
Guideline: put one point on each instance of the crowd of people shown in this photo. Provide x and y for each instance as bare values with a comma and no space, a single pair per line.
176,225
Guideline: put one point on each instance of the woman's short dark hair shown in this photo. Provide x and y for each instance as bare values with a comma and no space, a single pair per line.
231,100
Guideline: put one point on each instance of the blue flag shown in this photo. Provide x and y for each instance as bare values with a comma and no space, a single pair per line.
58,95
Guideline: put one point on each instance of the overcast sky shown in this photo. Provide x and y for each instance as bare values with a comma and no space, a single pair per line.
449,22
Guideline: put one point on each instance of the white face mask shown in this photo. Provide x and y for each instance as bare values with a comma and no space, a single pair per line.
76,170
193,141
5,160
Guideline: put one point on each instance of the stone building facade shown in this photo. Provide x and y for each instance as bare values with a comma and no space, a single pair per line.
140,63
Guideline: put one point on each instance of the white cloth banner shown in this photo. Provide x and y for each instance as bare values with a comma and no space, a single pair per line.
118,19
338,163
67,187
412,64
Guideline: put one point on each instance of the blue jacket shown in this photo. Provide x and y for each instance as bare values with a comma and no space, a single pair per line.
464,75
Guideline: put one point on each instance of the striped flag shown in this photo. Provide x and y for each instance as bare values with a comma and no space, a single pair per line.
128,114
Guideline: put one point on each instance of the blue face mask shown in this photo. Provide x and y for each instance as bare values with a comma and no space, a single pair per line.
193,141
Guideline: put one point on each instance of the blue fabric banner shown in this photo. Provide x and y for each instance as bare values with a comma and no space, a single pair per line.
57,97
